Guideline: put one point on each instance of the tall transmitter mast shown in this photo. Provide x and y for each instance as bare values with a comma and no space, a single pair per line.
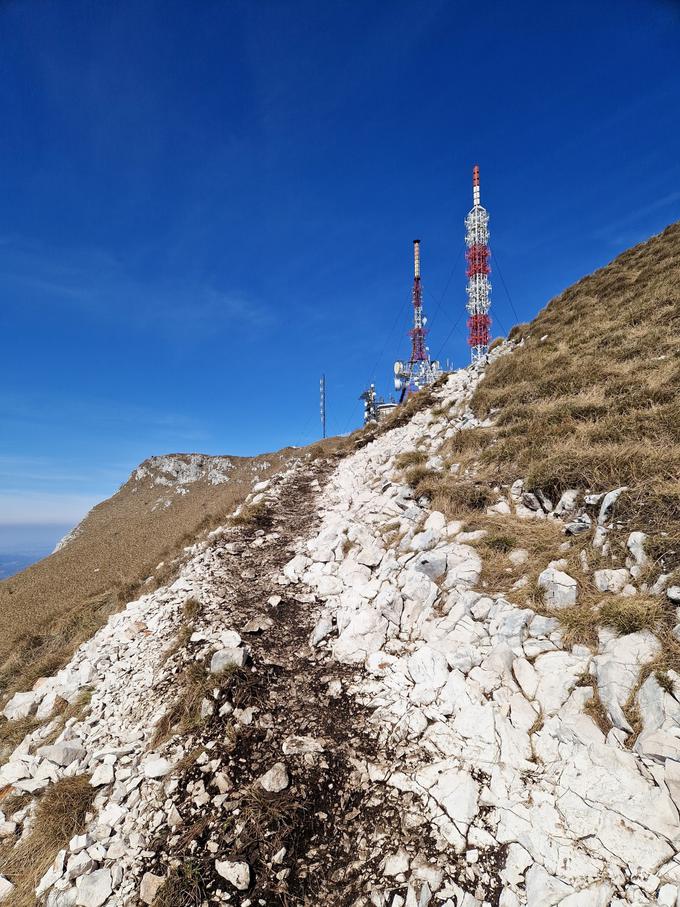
419,371
478,287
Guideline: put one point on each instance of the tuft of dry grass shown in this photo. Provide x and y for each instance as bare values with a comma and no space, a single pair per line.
456,497
632,614
409,458
60,815
252,516
595,708
195,684
664,681
184,887
579,623
13,732
417,477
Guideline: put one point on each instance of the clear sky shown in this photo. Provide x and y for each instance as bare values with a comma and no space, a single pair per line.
205,205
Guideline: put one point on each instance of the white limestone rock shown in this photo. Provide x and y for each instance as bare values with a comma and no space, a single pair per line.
150,886
435,521
298,745
557,673
20,706
428,667
364,634
370,556
102,775
62,753
607,506
322,628
296,567
458,793
567,503
397,863
611,580
94,889
561,590
224,659
236,873
432,564
423,541
544,890
617,668
276,779
156,767
464,566
636,545
518,556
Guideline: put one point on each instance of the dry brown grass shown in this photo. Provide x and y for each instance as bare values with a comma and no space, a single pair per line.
597,403
632,614
60,814
595,708
456,497
252,516
195,683
184,887
409,458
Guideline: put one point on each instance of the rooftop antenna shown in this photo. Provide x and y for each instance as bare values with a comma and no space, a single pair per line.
478,286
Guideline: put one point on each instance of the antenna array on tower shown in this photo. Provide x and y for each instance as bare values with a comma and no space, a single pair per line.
420,370
478,287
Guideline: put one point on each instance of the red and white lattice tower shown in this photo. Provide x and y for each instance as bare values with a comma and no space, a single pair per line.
420,370
478,270
417,333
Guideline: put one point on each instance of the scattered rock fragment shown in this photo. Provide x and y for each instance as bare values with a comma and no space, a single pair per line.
150,886
561,590
276,779
94,889
224,659
156,767
237,873
296,746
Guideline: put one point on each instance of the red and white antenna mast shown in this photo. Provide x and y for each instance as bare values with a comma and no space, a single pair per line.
420,370
478,286
417,333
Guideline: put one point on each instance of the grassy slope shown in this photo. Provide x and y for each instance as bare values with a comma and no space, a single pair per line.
49,609
596,403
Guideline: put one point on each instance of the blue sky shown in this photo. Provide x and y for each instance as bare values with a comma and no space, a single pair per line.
206,205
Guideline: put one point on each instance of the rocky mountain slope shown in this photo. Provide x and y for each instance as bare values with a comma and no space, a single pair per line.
127,543
403,673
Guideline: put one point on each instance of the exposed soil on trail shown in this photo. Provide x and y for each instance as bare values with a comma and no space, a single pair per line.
323,839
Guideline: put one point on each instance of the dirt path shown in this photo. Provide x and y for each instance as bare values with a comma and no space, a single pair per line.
323,838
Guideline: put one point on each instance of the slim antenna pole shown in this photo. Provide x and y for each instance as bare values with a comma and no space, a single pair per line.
322,388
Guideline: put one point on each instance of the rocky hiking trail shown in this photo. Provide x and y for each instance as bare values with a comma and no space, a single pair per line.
297,818
327,706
